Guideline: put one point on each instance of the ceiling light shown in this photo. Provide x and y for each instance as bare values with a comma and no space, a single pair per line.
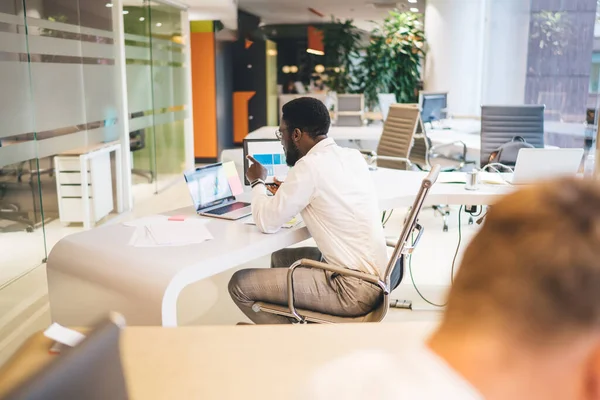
142,19
109,5
272,52
414,9
160,24
293,69
319,68
316,52
412,1
125,12
285,69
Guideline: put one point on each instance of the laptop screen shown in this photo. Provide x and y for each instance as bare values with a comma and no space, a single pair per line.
208,185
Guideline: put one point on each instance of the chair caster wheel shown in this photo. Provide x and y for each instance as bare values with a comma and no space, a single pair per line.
29,229
445,228
471,221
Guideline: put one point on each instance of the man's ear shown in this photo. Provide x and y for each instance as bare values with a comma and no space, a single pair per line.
296,135
592,373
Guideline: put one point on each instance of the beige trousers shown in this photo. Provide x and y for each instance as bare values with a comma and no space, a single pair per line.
314,289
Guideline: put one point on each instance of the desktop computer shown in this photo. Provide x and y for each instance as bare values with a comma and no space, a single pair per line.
433,106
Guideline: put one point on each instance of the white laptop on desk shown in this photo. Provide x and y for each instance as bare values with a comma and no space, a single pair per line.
213,190
534,165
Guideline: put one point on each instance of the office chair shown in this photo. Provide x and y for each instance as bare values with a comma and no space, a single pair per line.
396,139
450,156
12,212
404,246
500,124
137,141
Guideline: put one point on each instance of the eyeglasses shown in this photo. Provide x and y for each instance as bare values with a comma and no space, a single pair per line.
278,134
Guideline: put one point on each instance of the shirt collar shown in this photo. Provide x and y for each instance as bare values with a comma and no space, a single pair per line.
321,145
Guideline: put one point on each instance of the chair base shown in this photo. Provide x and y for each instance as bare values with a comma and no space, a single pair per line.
404,304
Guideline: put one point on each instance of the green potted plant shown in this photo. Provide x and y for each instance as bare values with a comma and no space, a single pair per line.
341,40
392,60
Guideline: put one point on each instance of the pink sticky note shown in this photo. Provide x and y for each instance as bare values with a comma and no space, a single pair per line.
235,185
177,218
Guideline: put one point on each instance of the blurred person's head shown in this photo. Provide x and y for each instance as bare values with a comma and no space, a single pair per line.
291,87
523,314
304,123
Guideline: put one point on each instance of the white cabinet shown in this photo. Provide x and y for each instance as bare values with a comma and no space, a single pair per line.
71,206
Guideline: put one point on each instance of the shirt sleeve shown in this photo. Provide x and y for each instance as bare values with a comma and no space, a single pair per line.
270,213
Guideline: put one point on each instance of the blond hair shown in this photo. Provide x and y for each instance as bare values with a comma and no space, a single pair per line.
535,264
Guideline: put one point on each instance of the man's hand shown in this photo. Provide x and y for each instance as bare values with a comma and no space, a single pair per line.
274,187
256,170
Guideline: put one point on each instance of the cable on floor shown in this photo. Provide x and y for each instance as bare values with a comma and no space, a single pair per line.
458,245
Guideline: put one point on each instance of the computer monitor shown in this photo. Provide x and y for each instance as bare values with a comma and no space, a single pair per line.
268,152
433,106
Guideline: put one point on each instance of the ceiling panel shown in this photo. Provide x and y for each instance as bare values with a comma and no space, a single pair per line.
297,11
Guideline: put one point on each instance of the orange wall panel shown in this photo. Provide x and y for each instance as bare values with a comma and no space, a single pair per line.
204,94
240,115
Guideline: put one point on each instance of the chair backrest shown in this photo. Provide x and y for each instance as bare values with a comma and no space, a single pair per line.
420,148
500,124
91,370
398,132
385,101
404,241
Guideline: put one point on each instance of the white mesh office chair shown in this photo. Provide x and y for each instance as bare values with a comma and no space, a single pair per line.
405,245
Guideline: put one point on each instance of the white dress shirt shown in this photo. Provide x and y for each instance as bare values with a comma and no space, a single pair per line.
332,188
418,374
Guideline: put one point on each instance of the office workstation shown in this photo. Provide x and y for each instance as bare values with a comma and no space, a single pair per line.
386,179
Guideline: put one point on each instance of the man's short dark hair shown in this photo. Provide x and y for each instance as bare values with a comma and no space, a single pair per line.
307,114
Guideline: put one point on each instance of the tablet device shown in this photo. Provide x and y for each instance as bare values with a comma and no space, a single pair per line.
268,152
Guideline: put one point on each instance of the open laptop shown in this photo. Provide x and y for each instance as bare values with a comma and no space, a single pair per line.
268,152
212,189
541,164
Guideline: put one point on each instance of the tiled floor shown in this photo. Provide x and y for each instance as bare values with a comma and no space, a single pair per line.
27,297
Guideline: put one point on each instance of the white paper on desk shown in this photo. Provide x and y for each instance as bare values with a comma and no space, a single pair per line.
452,177
146,220
290,224
173,233
494,178
63,335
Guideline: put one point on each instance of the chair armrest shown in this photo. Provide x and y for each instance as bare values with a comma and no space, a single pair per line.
453,144
305,263
373,157
370,153
391,242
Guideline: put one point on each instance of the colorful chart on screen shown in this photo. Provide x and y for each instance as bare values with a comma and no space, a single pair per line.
268,152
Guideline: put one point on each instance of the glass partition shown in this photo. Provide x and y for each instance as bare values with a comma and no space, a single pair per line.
59,94
157,90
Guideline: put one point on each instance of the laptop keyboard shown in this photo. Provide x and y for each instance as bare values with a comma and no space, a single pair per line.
229,208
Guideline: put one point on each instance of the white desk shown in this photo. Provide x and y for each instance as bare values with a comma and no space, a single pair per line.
229,362
367,137
94,272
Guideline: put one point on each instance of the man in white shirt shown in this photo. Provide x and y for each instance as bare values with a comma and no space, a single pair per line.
523,315
331,187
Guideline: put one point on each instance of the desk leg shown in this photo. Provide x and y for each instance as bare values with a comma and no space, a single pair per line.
85,193
119,173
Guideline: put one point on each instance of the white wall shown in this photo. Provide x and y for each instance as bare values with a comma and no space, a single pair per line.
505,52
477,52
454,31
